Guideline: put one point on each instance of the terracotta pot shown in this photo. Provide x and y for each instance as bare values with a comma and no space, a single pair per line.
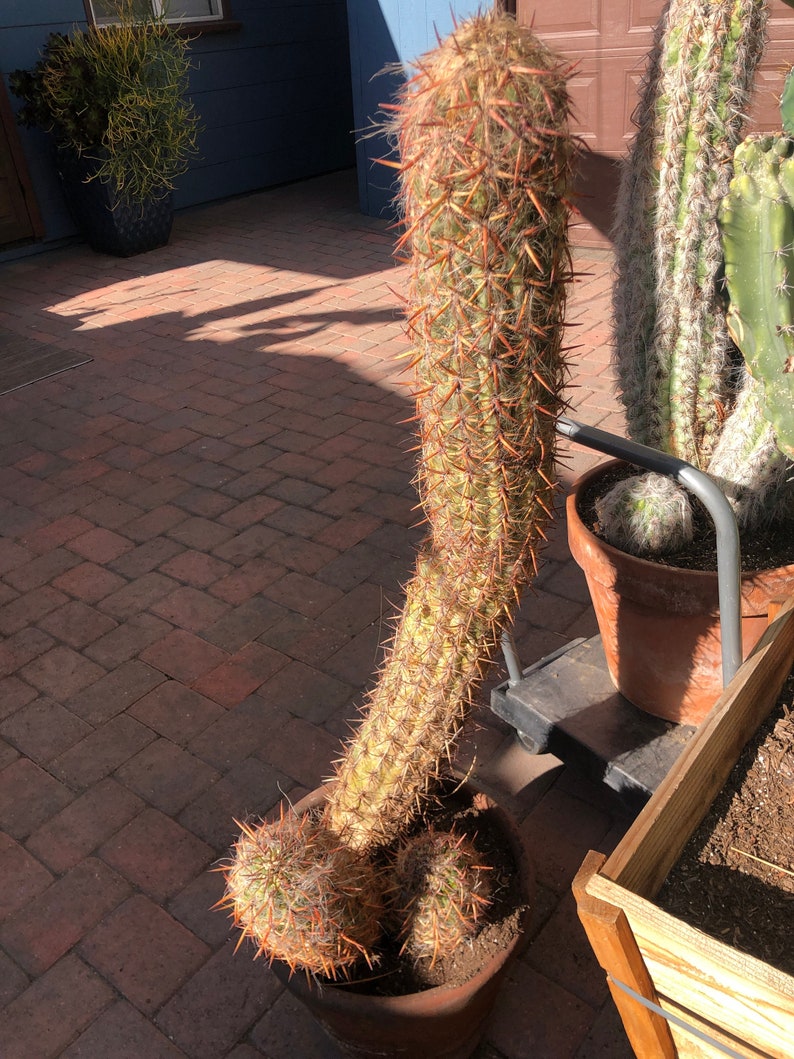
441,1023
660,624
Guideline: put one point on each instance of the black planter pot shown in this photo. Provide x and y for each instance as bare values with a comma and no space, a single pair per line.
109,224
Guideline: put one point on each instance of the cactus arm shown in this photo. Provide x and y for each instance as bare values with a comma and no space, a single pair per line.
747,464
485,166
717,58
787,103
757,220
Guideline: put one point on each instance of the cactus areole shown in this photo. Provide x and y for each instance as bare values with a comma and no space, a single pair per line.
484,171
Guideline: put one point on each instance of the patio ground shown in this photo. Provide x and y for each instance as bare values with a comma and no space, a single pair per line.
203,534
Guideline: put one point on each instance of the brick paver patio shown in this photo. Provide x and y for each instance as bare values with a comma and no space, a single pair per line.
204,531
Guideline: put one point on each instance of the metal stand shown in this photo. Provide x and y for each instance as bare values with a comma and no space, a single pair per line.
566,704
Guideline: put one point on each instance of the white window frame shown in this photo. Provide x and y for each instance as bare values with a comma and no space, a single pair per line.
221,13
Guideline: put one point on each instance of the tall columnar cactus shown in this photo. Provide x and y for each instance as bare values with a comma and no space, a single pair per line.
485,159
757,222
681,380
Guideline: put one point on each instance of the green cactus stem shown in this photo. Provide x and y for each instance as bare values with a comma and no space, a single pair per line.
787,104
485,164
675,360
757,220
668,315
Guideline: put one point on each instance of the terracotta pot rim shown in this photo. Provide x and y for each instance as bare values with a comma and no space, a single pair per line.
611,551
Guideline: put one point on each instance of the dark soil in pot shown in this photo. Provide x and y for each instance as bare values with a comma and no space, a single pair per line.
735,878
764,549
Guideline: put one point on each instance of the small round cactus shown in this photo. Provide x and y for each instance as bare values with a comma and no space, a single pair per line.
647,514
303,897
440,889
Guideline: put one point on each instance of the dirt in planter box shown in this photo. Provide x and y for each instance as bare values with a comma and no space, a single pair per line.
735,878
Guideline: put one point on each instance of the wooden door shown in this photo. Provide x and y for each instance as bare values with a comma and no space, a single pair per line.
610,39
19,215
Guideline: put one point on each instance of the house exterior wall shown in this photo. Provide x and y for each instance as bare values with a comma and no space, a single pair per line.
273,97
384,33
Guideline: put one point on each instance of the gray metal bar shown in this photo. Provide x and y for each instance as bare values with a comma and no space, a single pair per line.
514,671
728,554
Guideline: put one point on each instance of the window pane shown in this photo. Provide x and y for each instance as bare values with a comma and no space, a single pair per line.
187,9
107,10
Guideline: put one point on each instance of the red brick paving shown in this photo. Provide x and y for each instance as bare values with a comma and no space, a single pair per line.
203,534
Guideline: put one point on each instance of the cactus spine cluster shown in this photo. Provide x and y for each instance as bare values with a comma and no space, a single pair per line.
485,160
681,380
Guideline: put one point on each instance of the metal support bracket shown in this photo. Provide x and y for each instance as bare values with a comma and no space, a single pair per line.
697,482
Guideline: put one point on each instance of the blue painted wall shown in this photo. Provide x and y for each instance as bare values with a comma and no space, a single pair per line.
274,97
382,33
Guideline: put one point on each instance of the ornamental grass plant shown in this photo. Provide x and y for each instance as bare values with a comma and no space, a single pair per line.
116,94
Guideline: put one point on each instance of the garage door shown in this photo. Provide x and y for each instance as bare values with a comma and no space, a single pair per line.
611,39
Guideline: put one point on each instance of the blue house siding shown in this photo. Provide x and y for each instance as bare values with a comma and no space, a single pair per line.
274,97
382,33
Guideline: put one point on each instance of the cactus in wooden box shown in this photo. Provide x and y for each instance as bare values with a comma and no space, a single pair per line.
682,383
485,160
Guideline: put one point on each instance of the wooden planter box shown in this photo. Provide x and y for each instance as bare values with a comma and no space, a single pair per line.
661,971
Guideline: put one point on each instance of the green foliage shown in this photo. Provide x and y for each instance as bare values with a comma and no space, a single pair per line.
485,165
116,93
757,221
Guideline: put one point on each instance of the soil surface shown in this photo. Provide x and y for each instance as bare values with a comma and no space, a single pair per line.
735,878
501,921
763,549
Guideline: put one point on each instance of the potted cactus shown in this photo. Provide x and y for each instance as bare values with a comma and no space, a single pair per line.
113,98
708,384
485,158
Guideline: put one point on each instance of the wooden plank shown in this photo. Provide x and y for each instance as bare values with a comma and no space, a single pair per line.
616,950
720,985
689,1046
655,840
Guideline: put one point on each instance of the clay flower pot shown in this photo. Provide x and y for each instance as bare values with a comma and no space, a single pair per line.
660,624
445,1022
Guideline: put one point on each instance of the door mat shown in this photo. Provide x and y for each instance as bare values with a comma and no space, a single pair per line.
26,360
